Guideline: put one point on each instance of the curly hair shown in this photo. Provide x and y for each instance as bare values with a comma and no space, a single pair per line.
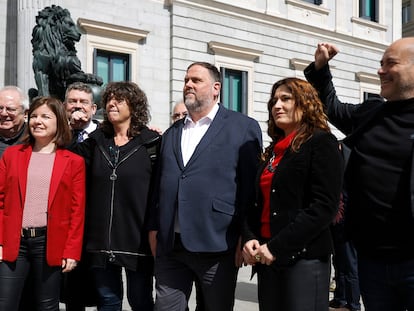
137,103
313,116
63,135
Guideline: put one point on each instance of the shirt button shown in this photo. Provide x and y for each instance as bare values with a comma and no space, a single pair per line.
273,190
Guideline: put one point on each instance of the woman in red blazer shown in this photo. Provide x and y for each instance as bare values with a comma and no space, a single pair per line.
42,202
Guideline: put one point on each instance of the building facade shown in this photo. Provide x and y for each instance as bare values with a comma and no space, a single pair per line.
253,42
407,14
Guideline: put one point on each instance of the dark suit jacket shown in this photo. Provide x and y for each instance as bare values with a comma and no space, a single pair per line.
212,191
66,204
304,199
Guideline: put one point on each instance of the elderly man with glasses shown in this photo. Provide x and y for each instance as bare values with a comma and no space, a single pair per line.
179,111
13,107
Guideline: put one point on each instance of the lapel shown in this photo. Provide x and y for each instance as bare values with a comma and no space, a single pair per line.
412,177
177,132
212,132
61,161
23,157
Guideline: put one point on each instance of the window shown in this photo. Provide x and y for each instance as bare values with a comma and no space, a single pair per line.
368,95
234,89
318,2
111,66
116,47
368,9
236,65
406,12
369,85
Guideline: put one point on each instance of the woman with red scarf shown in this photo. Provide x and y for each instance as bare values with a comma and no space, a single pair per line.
286,234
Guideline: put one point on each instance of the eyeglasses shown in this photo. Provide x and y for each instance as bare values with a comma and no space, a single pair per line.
179,115
9,110
83,102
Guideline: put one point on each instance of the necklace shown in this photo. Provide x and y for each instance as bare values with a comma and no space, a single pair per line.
270,167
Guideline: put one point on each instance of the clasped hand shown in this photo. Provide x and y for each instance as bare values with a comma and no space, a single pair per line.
254,253
68,264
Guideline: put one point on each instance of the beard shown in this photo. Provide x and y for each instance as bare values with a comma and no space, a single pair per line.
195,104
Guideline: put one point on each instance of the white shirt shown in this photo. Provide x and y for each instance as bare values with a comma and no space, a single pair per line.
89,129
193,132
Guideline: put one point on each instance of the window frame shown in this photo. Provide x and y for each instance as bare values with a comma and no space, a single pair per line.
237,58
113,38
244,89
373,14
406,15
369,83
111,55
316,2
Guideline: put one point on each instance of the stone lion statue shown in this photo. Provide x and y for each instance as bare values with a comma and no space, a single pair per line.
55,63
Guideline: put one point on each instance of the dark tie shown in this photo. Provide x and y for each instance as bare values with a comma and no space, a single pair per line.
80,134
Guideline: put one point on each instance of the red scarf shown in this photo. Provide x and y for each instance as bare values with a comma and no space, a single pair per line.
266,180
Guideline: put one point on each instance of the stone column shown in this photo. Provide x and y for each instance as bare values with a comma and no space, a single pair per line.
27,10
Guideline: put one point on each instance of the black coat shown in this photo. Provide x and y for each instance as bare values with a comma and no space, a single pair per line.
118,190
304,200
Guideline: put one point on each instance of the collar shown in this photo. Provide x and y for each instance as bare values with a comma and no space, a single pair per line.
206,119
91,127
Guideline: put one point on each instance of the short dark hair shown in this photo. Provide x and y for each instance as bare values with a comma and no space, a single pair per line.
214,72
63,135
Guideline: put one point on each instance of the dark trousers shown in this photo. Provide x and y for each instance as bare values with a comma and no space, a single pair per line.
301,287
78,288
215,272
73,287
345,263
45,280
199,298
109,285
386,286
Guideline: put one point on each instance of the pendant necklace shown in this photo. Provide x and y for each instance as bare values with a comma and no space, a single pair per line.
114,153
270,167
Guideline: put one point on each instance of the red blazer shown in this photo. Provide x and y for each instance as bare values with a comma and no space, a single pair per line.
66,204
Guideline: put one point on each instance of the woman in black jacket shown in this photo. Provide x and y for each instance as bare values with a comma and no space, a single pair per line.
286,233
119,162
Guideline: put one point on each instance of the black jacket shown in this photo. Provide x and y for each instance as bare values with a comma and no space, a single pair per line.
118,189
304,200
379,175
